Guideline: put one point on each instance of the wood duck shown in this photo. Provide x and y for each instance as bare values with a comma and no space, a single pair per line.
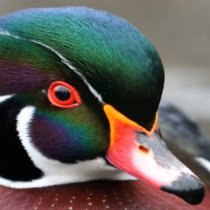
80,91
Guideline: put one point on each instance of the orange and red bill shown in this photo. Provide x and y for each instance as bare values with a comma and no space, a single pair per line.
143,154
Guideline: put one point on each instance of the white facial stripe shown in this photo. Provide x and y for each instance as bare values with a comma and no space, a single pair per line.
54,171
67,62
3,32
63,59
203,162
5,98
6,33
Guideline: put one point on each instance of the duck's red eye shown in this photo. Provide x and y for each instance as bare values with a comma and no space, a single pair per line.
63,95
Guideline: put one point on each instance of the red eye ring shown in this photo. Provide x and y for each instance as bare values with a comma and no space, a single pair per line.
73,101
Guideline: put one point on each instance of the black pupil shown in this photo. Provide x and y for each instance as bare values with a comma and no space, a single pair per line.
62,93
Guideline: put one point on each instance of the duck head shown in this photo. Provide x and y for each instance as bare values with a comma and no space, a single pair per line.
87,84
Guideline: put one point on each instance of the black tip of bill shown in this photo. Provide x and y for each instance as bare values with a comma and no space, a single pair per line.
188,188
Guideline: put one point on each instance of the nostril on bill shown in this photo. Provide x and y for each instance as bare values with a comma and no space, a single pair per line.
143,149
189,188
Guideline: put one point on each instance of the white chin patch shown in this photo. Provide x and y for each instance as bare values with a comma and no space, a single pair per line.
55,172
204,163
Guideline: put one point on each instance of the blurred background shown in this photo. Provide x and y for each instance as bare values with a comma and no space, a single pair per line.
180,30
